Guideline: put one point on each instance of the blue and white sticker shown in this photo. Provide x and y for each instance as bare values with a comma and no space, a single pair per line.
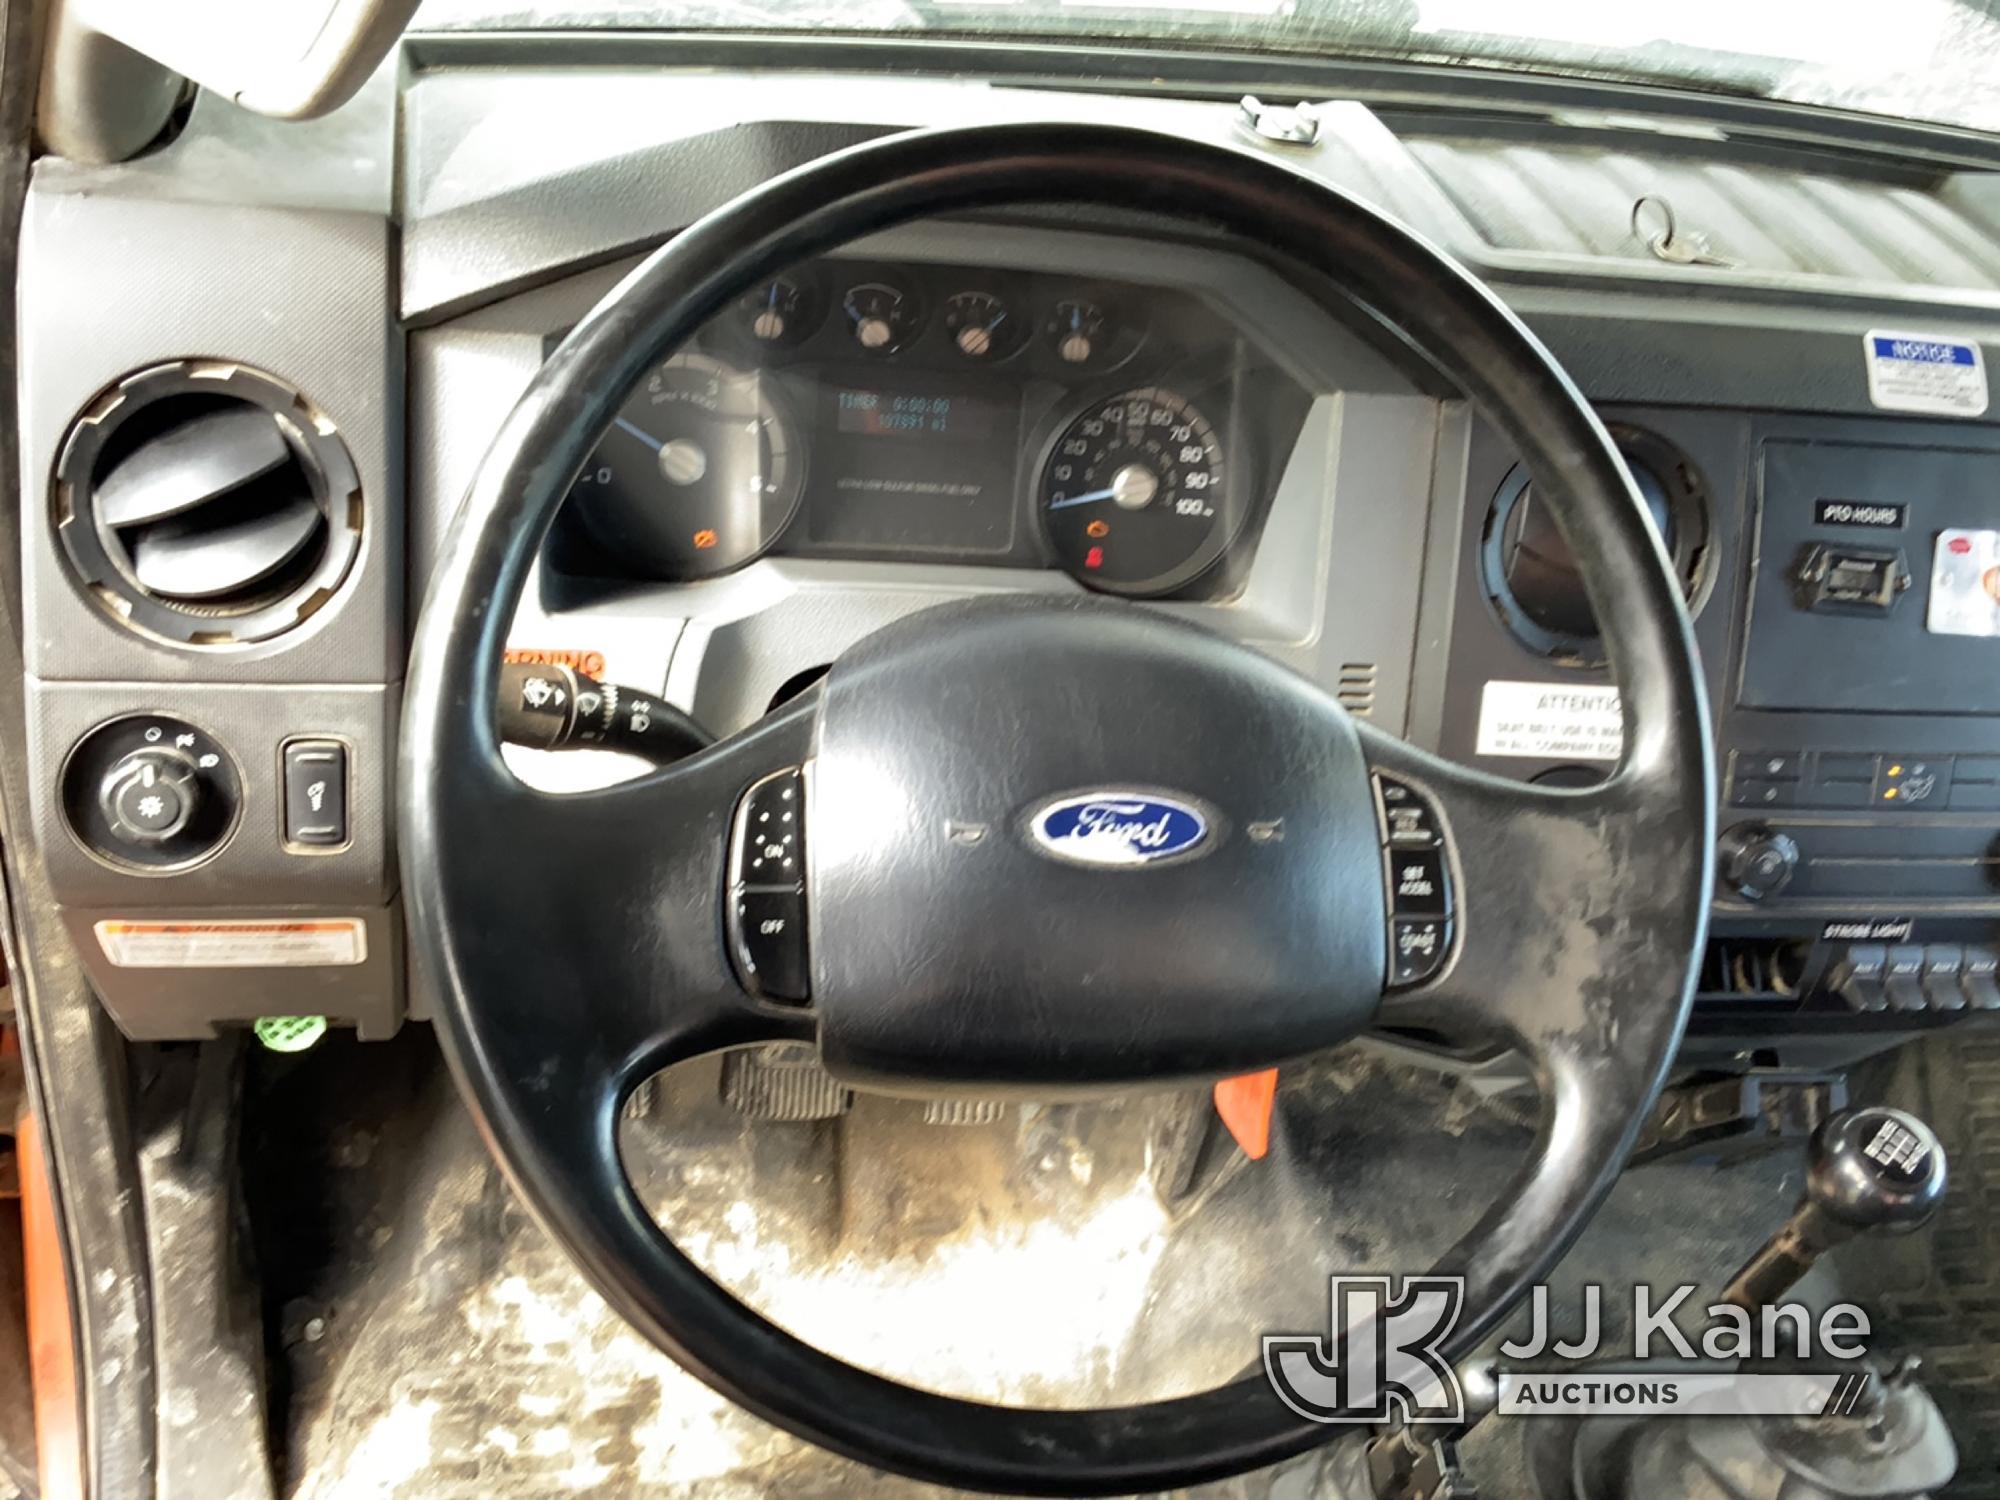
1926,372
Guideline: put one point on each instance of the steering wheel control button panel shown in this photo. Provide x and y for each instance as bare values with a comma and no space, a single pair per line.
771,943
315,794
1419,883
1417,946
767,889
150,793
1407,819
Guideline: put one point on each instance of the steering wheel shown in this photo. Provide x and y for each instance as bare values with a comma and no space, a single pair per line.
576,944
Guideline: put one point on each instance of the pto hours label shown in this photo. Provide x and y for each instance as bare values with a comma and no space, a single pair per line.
1550,721
1880,514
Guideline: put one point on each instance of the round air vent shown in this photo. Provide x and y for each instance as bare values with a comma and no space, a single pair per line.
1533,581
207,504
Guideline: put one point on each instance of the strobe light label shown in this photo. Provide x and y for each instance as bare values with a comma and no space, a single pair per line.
1867,930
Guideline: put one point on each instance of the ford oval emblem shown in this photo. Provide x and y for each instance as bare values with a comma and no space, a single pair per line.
1122,830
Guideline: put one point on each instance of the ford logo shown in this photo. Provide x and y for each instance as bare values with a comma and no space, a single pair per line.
1119,829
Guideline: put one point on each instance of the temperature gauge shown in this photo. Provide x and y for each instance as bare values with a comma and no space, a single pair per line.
881,316
983,326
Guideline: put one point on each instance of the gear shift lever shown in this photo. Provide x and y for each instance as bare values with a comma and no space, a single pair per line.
1866,1169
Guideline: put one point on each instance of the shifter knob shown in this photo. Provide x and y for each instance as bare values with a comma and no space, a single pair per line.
1866,1170
1875,1169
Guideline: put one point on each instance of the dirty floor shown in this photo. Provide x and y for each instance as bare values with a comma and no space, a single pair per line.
432,1343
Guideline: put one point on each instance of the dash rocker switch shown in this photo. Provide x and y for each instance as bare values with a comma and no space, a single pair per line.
315,794
1857,977
1942,963
1904,978
766,902
1976,978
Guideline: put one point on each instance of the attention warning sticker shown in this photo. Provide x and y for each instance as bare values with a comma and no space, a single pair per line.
1550,721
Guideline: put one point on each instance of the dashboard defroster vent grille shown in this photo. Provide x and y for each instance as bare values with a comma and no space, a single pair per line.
207,504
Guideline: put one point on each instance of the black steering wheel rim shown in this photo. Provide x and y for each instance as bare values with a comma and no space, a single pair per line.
1601,1044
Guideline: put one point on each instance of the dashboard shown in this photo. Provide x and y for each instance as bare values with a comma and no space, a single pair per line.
1127,435
1052,402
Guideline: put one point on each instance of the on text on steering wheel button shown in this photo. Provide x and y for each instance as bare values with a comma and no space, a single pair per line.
1417,883
771,833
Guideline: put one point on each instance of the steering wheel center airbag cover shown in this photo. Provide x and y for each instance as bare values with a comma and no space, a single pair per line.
950,948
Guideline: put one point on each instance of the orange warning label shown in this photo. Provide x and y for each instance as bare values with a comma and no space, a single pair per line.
234,944
590,663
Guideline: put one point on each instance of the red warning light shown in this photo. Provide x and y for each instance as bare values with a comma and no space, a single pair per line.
1094,558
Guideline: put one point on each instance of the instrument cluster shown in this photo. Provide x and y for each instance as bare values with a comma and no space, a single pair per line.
1129,435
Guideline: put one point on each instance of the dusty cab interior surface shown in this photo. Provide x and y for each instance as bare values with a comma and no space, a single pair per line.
1040,749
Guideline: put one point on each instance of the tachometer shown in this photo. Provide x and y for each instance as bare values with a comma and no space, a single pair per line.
1134,496
698,473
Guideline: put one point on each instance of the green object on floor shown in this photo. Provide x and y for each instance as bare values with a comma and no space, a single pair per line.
289,1033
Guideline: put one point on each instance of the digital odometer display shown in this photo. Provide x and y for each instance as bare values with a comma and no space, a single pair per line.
917,414
917,467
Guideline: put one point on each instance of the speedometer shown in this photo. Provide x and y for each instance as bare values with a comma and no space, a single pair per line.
1134,498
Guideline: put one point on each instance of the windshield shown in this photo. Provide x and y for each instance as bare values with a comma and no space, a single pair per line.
1935,60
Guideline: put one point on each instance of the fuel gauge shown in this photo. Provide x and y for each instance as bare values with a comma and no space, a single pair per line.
882,316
